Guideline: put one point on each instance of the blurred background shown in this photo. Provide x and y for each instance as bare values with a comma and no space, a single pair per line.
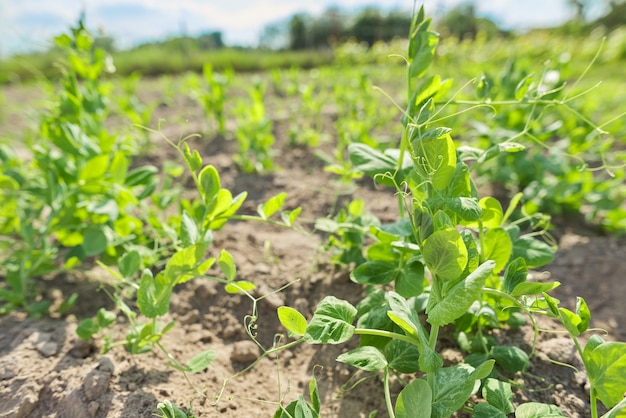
173,37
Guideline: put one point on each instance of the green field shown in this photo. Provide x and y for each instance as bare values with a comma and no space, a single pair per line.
434,173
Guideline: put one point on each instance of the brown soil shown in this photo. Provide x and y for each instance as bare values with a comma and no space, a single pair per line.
46,371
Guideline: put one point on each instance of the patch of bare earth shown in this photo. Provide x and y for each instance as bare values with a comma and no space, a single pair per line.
46,371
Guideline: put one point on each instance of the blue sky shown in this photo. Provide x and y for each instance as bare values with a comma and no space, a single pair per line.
29,24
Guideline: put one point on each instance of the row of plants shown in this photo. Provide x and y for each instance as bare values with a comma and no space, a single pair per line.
453,257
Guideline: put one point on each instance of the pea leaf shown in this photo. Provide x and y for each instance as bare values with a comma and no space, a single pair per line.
375,272
485,410
153,296
188,230
87,328
201,361
499,394
129,263
445,254
210,184
366,358
533,288
188,263
536,253
331,322
94,241
510,358
272,205
414,401
239,286
293,320
515,273
402,356
458,299
435,160
454,385
227,265
537,410
497,246
606,368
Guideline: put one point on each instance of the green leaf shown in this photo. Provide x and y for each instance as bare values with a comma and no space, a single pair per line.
402,356
193,159
499,394
445,254
290,216
537,410
210,184
466,209
375,272
435,160
371,162
410,280
618,411
533,288
461,183
366,358
129,264
94,241
119,167
105,318
331,322
522,87
485,410
497,246
303,410
458,299
516,272
239,286
414,401
402,315
293,320
95,168
153,296
272,205
141,176
314,395
188,263
227,265
87,328
483,369
571,321
422,46
170,410
188,230
582,310
201,361
510,358
606,368
536,253
453,387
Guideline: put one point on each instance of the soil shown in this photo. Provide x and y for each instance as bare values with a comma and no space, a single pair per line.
46,371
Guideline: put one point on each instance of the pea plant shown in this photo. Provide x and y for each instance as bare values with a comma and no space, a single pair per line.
76,198
210,92
453,258
138,112
192,231
254,135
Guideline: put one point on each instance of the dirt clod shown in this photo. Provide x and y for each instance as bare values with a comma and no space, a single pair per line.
244,352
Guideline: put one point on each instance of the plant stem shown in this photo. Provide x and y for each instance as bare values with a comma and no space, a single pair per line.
388,393
432,342
388,334
594,402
